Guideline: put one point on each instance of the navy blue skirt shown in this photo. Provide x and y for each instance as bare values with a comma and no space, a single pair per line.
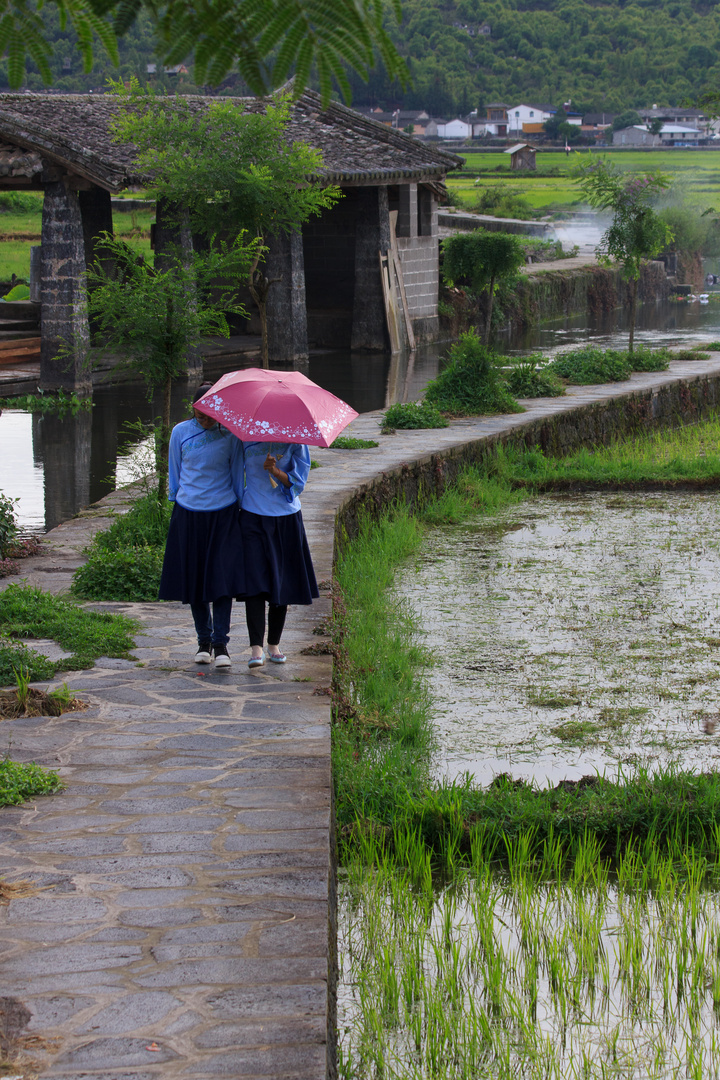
203,555
277,558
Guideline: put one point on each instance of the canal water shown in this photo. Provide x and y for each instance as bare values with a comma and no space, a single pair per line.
55,465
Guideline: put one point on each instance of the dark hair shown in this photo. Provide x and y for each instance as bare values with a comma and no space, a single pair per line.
202,391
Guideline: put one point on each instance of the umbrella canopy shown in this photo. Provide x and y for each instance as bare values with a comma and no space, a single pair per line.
276,406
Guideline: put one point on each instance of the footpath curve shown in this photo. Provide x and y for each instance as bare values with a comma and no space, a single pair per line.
181,917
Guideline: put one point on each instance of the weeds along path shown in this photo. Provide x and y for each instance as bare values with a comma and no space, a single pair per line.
173,910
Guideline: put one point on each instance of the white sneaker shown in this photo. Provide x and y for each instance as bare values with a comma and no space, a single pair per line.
221,656
204,653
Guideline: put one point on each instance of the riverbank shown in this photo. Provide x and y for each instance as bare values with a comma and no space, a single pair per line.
183,921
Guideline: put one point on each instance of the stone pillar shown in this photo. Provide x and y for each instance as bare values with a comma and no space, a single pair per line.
407,221
96,212
63,320
372,236
173,240
286,302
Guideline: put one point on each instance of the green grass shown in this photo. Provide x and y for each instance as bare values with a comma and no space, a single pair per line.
411,415
20,782
15,253
346,442
695,172
27,612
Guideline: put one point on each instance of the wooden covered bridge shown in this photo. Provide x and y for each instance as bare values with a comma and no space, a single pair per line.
330,288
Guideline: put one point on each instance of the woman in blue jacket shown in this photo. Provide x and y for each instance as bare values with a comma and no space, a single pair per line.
278,566
203,563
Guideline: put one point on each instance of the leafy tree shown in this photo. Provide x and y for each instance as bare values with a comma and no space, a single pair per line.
636,232
232,170
625,120
655,126
155,316
482,260
266,39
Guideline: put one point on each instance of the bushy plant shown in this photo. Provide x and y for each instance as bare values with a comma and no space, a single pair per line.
643,358
413,414
590,365
19,782
471,383
146,525
131,574
482,260
347,442
499,202
528,379
8,524
125,561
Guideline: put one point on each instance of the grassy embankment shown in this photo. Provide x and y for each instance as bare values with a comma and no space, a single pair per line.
383,733
21,222
696,173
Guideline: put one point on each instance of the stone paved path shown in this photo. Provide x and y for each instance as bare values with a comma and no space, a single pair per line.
180,918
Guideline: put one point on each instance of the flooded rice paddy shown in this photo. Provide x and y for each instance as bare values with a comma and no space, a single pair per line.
574,634
569,635
509,975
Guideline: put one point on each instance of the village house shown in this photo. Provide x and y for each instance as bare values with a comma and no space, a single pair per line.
528,118
670,135
497,119
329,288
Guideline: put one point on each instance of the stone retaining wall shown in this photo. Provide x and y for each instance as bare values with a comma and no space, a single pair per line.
671,405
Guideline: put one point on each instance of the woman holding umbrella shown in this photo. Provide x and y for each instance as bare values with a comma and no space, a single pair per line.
279,569
203,562
276,414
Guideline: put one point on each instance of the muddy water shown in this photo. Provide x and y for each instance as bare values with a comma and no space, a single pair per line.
574,634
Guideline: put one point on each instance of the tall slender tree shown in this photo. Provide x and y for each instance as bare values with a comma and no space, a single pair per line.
636,232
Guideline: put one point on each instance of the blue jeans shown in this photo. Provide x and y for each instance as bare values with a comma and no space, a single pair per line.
215,629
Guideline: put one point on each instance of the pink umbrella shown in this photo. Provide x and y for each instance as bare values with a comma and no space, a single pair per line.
276,406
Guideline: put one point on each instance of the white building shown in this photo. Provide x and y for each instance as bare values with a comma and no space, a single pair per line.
526,114
454,129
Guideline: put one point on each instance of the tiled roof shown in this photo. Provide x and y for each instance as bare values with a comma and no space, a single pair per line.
74,130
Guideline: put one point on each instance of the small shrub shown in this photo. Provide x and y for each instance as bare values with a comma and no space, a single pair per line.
146,525
14,656
8,524
471,383
690,354
344,442
19,782
645,359
590,365
129,573
526,379
413,414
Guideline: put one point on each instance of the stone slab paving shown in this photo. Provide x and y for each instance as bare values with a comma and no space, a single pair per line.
180,920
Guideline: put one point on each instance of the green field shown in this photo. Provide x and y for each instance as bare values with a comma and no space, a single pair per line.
695,176
20,230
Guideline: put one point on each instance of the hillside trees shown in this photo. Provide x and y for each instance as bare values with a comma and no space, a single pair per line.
267,40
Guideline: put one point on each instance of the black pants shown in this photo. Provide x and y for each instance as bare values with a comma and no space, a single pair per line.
255,615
